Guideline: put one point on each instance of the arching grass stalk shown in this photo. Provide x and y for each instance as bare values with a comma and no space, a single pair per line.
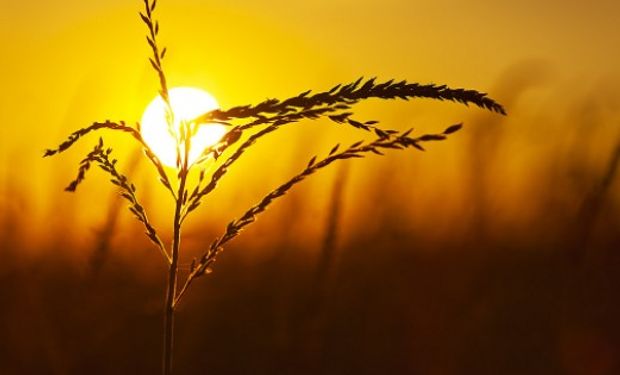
250,123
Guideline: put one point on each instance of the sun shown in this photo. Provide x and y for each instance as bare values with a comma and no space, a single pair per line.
187,103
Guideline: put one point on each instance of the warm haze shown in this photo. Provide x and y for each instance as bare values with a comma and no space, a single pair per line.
464,267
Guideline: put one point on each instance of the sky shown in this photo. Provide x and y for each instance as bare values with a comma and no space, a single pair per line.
68,63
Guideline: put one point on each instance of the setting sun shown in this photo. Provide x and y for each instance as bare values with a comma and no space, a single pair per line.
187,103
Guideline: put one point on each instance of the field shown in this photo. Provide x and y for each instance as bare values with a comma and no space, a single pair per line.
496,251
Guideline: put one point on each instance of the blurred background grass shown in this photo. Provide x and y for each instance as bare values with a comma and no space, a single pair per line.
493,252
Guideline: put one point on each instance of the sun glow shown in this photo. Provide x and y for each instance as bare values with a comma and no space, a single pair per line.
187,103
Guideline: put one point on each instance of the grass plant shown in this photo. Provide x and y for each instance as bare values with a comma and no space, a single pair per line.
247,125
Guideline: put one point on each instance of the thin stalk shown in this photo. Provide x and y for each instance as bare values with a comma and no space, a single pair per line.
172,282
176,244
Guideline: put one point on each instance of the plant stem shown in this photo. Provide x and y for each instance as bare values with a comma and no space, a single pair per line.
172,279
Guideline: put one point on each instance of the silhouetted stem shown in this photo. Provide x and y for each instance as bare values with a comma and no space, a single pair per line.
183,165
172,280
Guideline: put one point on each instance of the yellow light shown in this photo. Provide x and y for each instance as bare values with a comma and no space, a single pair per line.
187,103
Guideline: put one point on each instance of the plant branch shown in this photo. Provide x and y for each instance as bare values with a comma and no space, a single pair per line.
76,135
120,126
101,156
197,195
351,94
356,150
276,122
158,56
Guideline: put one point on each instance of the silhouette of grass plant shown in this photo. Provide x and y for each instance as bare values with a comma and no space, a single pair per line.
335,104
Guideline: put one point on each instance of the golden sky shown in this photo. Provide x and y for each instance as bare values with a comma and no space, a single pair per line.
68,63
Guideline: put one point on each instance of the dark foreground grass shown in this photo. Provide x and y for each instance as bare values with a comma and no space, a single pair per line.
410,307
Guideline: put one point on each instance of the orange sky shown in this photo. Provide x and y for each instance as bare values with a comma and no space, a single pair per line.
68,63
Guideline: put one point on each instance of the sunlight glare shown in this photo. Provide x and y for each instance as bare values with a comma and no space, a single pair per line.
187,104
